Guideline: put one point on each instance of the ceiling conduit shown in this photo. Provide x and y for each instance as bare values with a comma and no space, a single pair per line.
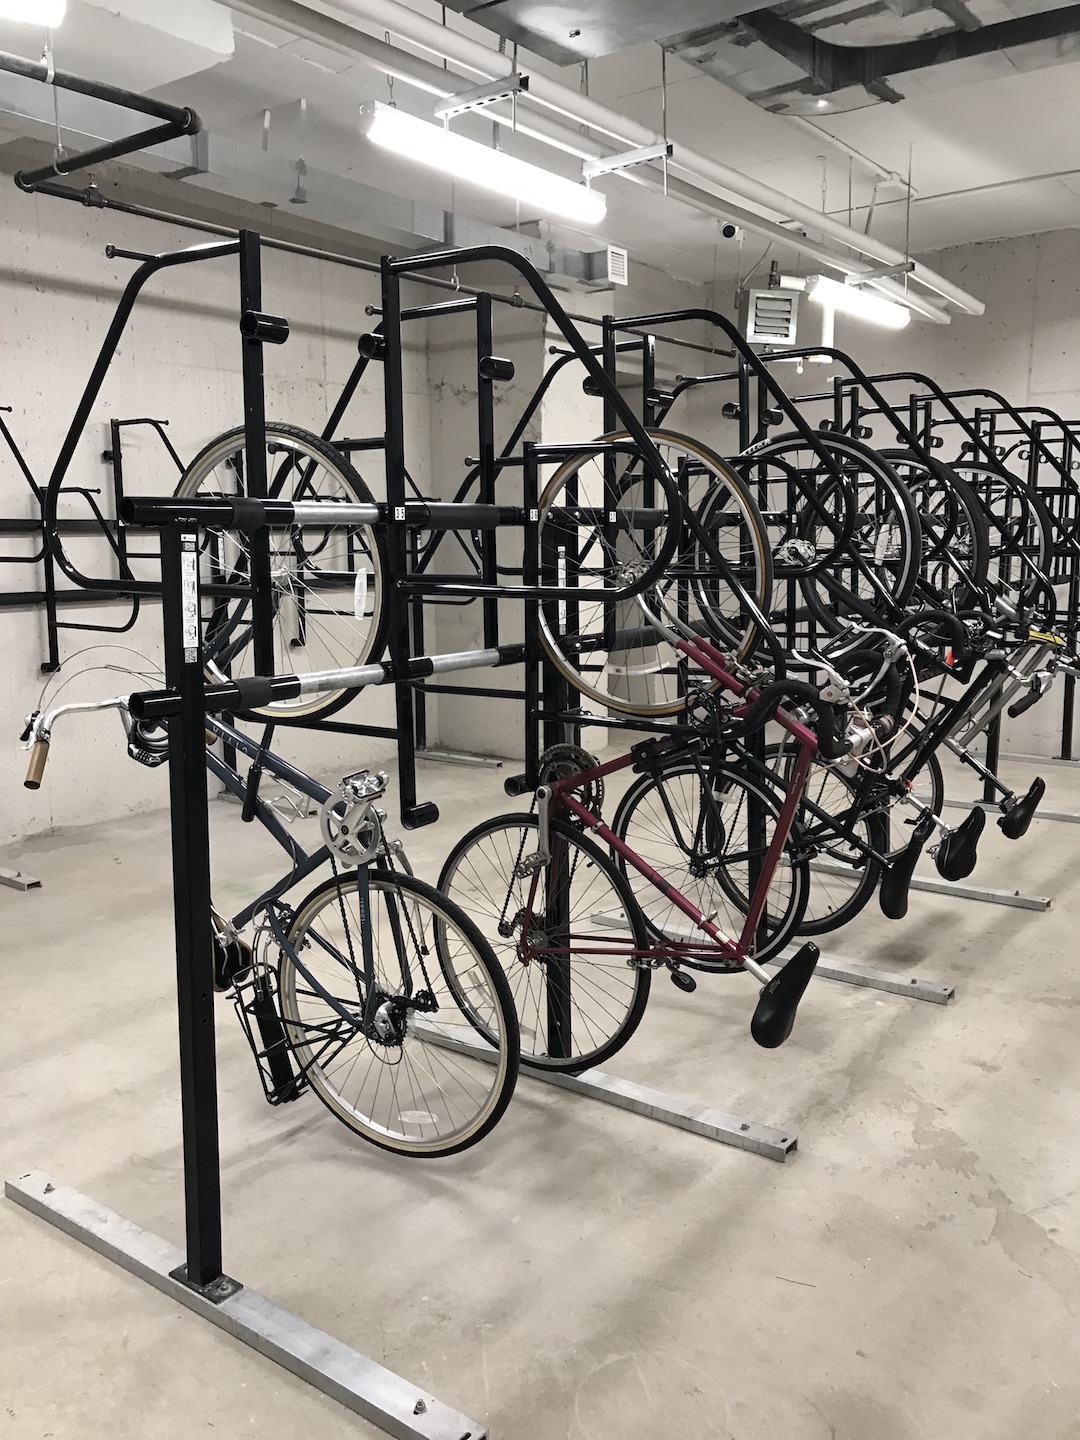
622,132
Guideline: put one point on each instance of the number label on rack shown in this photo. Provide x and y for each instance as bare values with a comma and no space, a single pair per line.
189,592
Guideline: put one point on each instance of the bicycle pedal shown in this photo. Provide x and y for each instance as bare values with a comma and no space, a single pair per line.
529,865
686,983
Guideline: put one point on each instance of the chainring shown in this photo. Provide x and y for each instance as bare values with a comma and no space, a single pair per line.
561,762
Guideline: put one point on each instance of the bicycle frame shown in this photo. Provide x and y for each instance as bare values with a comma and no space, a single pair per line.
303,864
737,951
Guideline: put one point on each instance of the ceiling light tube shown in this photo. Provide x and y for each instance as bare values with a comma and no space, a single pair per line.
46,13
850,300
480,165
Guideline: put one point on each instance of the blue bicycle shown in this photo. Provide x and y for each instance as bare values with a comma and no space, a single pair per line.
365,989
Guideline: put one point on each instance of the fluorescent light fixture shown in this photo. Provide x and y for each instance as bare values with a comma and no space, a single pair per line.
851,300
46,13
405,135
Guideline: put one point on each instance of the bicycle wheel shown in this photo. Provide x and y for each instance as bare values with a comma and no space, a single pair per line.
705,826
1023,535
610,651
843,877
567,934
327,580
844,536
955,533
406,1082
927,784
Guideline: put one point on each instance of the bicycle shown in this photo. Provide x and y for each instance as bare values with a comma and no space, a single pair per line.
565,923
348,991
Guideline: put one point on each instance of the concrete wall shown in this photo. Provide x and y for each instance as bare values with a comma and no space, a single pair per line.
1027,345
180,361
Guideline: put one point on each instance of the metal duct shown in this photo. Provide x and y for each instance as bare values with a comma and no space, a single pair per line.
830,68
566,33
211,162
787,57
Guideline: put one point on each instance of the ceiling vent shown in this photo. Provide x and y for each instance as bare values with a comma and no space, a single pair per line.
771,317
567,34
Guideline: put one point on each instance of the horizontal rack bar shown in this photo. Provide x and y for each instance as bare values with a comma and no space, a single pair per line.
691,1115
258,690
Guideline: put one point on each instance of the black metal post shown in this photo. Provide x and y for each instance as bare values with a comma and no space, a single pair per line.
191,908
649,398
744,404
262,598
610,421
52,625
485,414
531,577
557,968
412,814
993,751
1068,711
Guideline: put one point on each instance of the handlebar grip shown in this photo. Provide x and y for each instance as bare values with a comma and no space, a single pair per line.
516,785
1033,696
944,620
38,756
831,746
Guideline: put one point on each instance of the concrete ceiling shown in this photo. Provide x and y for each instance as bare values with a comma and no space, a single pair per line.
993,157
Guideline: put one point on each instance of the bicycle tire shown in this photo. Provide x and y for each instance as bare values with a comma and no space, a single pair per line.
480,875
955,530
311,1023
1023,534
834,899
876,519
581,637
331,638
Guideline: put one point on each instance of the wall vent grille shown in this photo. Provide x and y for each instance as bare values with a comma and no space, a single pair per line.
618,264
772,317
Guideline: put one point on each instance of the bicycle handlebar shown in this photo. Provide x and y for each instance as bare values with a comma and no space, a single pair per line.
39,733
764,706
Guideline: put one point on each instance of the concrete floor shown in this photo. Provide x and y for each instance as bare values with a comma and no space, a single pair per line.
584,1274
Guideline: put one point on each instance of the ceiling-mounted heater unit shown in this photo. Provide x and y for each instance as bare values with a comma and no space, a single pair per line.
770,317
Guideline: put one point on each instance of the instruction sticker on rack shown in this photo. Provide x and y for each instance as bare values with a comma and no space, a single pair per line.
189,598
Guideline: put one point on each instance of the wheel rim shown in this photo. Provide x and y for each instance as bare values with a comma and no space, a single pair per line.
675,832
604,987
327,580
610,651
409,1091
